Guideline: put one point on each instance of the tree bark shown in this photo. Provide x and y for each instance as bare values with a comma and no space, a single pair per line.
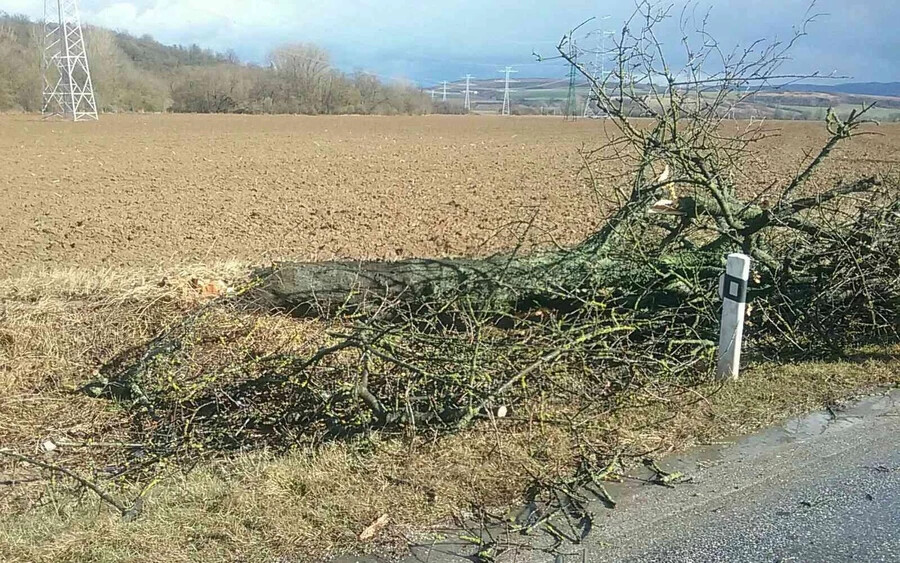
560,280
311,289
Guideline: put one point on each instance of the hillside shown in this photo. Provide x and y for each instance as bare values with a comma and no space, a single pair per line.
141,74
890,89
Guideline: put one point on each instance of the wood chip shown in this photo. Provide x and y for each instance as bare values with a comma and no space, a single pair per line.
374,528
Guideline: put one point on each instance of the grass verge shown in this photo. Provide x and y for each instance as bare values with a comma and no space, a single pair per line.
57,329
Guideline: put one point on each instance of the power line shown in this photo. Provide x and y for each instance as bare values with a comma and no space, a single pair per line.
533,86
468,62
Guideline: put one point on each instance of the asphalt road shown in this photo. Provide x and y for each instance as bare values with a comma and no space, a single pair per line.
825,487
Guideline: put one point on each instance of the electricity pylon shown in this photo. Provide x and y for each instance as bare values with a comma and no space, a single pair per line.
508,70
468,104
444,97
599,71
571,99
68,90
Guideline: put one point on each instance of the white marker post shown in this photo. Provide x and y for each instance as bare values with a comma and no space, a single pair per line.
733,290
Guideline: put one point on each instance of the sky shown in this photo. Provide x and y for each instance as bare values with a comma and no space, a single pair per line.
428,41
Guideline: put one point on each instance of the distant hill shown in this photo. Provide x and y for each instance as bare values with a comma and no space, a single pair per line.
130,73
795,101
891,89
143,75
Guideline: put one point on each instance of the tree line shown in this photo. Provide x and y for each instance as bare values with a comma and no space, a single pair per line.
139,74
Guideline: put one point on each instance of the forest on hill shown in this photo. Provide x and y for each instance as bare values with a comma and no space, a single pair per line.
139,74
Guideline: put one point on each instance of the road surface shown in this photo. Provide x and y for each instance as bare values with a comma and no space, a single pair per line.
821,488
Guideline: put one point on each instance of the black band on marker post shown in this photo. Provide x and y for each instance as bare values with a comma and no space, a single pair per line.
732,282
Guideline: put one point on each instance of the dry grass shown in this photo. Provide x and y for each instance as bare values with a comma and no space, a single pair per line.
56,329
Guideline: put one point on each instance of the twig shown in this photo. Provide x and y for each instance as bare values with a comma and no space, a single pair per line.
68,473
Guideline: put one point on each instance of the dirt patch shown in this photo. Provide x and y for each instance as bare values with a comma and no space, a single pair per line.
137,190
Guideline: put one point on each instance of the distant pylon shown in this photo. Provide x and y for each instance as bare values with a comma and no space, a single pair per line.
444,98
598,61
599,73
508,70
571,99
468,104
68,90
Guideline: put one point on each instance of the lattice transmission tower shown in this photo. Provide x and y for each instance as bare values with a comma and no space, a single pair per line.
506,106
68,90
468,103
599,73
571,98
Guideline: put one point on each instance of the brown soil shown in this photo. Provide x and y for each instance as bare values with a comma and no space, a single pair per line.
144,190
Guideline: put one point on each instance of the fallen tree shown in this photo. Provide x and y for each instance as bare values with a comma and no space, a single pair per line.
429,346
512,282
564,345
675,226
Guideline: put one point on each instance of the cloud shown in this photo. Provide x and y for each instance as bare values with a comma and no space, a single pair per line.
431,40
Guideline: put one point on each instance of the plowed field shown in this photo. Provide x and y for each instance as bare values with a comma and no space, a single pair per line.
151,189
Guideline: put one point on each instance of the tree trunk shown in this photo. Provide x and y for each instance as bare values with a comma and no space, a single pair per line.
309,289
560,280
498,283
